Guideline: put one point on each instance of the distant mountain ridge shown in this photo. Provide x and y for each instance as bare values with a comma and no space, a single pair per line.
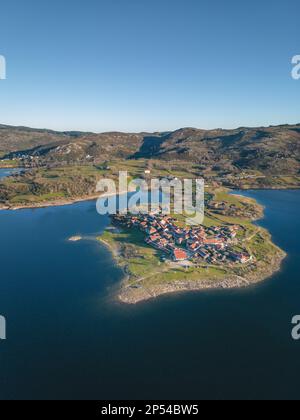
271,150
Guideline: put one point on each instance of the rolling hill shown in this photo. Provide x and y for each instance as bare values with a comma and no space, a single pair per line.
271,150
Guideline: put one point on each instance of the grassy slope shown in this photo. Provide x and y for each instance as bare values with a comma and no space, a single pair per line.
77,181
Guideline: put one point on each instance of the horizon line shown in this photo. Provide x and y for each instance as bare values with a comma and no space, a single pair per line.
2,126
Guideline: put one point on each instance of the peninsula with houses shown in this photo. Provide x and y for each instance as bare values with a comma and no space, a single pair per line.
161,254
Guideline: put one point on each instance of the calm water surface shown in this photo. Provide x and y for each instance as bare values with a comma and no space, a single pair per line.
67,337
7,172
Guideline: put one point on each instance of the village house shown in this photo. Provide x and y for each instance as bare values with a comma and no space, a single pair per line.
203,254
241,258
151,230
179,255
213,241
209,243
194,247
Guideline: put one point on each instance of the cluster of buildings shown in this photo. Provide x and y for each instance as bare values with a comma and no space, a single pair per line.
211,244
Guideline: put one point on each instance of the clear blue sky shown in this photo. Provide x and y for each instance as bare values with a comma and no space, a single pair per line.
150,65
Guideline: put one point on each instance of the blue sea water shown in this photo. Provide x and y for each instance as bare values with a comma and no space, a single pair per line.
68,338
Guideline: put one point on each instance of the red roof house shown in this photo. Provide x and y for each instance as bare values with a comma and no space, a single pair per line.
179,255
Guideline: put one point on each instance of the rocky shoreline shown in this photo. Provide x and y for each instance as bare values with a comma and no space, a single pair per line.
58,203
133,296
54,203
74,200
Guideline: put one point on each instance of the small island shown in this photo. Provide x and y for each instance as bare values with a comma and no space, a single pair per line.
75,238
161,255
